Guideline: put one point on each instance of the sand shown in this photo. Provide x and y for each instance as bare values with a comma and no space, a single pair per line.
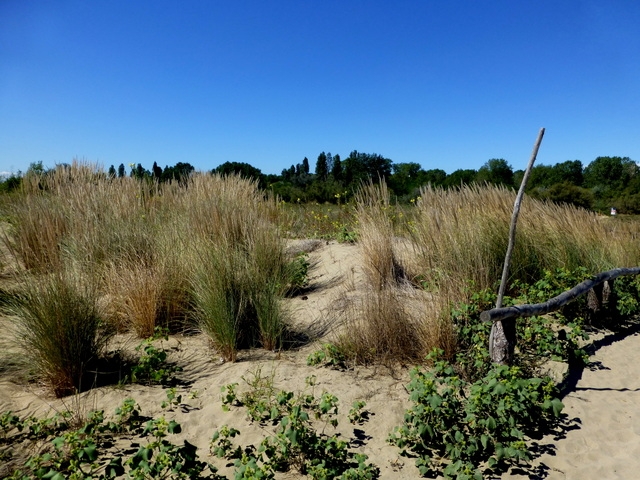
600,438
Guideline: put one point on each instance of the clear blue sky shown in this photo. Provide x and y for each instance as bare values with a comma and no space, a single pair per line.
447,84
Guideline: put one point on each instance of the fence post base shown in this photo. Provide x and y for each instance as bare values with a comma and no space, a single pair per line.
502,342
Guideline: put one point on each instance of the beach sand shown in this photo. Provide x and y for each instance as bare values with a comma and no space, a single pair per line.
600,438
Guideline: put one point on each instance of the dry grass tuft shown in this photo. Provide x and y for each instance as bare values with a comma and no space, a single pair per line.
59,323
376,236
461,237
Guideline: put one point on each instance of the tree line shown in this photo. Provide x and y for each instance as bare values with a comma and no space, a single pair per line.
604,183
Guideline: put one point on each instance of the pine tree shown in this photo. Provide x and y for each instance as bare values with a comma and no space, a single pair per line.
156,170
321,167
336,168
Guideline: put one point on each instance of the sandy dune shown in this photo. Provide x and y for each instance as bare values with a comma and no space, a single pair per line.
601,438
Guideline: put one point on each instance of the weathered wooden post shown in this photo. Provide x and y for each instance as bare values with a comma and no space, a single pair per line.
502,340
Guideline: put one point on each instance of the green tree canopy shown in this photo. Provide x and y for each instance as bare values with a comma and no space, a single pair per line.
240,168
460,177
360,167
156,171
496,171
336,168
609,173
179,172
405,178
322,168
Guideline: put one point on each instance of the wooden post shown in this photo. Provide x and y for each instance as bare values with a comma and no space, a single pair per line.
502,339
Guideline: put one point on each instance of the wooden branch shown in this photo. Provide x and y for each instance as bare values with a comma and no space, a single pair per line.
506,313
514,219
502,339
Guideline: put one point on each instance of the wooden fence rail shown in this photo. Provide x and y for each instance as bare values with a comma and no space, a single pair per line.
593,284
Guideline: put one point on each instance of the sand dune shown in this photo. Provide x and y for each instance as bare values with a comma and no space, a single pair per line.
600,439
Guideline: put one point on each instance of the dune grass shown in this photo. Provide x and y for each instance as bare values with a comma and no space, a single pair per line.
461,237
206,254
59,323
458,239
209,254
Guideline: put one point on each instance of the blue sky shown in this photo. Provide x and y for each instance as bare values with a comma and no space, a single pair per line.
447,84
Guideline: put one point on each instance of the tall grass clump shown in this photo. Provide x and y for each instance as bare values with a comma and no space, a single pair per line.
240,269
118,229
376,236
389,322
220,292
381,328
461,238
37,225
134,295
61,329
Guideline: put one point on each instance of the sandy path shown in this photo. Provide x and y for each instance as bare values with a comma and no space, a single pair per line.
602,438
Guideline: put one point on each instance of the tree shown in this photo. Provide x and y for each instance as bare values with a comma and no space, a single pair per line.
496,171
570,171
305,166
360,167
330,162
460,177
121,171
435,176
609,173
541,176
36,167
240,168
138,172
180,172
112,172
405,178
336,169
322,169
157,171
568,193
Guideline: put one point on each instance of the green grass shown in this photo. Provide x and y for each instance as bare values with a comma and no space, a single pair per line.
59,323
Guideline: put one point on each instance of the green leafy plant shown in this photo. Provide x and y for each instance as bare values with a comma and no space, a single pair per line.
329,355
454,426
173,399
89,451
221,446
346,235
298,273
296,443
358,414
152,366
